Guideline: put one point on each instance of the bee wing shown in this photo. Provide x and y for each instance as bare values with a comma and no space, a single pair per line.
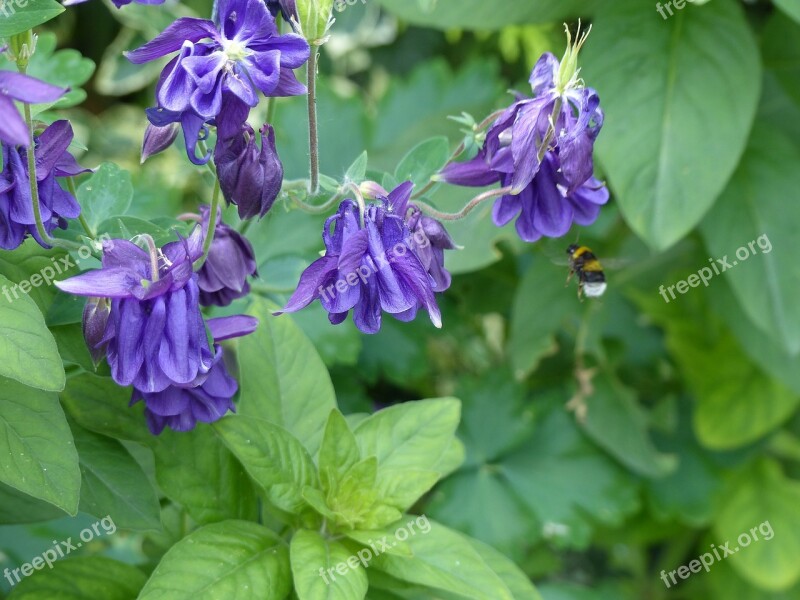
614,264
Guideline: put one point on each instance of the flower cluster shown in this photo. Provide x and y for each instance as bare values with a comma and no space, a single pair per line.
540,149
216,82
56,205
154,335
379,259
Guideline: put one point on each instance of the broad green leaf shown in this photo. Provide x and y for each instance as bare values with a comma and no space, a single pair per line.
36,443
763,499
314,569
82,578
107,193
444,559
72,346
617,423
196,470
283,378
274,458
28,351
16,507
724,582
518,583
235,560
483,16
100,405
113,483
540,306
790,7
412,435
339,451
423,161
31,259
20,16
675,126
780,47
753,217
379,538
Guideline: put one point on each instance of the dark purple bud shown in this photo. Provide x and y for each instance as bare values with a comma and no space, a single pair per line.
158,139
249,177
288,8
95,319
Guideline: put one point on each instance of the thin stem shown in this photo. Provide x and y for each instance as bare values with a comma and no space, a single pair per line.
550,131
315,210
152,250
313,136
210,163
471,205
81,219
212,225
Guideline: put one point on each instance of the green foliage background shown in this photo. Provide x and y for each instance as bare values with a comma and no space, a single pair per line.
602,442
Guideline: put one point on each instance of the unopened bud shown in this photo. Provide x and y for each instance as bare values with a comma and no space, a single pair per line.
372,190
315,17
158,139
95,318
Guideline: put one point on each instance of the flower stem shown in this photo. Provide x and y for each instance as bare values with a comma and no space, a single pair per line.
153,252
315,210
313,136
81,219
212,225
471,205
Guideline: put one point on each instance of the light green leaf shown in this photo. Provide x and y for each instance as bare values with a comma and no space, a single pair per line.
283,378
790,7
314,563
19,16
235,560
28,351
39,456
675,126
519,584
423,161
113,483
763,499
750,219
80,579
196,470
107,193
31,259
357,172
275,460
339,451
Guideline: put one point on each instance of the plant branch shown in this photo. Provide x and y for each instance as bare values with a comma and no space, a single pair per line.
313,136
471,205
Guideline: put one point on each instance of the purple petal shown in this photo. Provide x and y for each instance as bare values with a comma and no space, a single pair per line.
226,328
108,283
28,89
13,129
543,76
172,38
314,277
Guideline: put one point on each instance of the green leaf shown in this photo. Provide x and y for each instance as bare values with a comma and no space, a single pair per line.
617,423
339,451
16,507
28,351
72,346
780,48
667,146
476,14
107,193
357,172
444,560
40,457
519,584
764,499
751,217
314,563
283,378
274,458
31,259
100,405
790,7
235,560
80,579
423,161
196,470
113,483
19,17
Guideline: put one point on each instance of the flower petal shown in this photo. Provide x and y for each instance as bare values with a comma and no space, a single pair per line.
172,38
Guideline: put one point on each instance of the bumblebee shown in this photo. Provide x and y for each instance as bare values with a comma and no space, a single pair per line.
584,264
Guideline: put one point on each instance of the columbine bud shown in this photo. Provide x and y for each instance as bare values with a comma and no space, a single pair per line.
95,318
288,8
314,17
372,190
158,139
568,71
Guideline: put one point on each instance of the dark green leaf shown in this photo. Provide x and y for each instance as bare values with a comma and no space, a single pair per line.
21,16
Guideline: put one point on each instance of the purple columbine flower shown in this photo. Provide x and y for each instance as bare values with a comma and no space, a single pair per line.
287,8
207,398
231,260
155,336
542,149
16,86
56,205
248,177
219,79
370,267
117,3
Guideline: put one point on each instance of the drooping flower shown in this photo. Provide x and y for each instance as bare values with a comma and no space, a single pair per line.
56,205
248,177
218,80
369,267
231,260
155,335
541,148
23,88
207,398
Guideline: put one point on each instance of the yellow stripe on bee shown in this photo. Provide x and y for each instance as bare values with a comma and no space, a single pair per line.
592,265
580,252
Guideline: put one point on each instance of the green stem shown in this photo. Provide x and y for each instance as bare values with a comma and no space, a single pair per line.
81,219
313,136
471,205
212,225
315,210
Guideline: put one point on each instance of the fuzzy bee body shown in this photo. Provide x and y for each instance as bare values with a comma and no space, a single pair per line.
584,264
